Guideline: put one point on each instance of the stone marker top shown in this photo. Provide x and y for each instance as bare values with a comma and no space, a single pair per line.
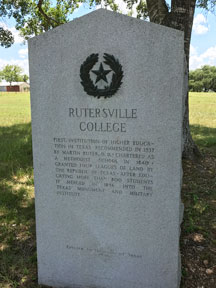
102,15
100,32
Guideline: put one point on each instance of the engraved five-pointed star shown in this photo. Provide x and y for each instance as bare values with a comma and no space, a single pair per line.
101,73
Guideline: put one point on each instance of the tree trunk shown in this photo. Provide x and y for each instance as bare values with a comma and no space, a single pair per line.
181,18
190,150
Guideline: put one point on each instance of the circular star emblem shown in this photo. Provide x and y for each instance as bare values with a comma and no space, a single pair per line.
90,86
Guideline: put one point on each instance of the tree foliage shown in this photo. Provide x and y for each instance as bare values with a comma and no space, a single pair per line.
25,78
6,38
207,4
11,73
203,79
34,17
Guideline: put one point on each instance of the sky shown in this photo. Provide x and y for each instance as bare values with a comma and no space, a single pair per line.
202,50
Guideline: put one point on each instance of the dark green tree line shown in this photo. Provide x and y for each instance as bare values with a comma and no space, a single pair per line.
203,79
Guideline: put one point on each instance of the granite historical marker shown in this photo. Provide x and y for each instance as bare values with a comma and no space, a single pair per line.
106,95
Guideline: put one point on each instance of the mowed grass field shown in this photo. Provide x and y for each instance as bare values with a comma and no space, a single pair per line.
17,223
14,109
18,261
203,118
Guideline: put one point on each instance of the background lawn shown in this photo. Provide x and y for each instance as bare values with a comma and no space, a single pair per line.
17,224
203,119
17,220
14,108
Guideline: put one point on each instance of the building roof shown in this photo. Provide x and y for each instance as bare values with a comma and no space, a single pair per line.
12,84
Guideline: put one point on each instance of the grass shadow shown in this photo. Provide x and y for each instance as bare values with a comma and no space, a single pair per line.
204,137
15,150
17,212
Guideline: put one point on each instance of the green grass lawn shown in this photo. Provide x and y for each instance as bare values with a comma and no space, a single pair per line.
17,224
17,219
198,237
203,119
14,109
203,109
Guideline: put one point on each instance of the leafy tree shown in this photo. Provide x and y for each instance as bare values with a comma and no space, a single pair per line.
213,84
11,73
36,16
203,79
25,78
195,86
6,37
1,76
